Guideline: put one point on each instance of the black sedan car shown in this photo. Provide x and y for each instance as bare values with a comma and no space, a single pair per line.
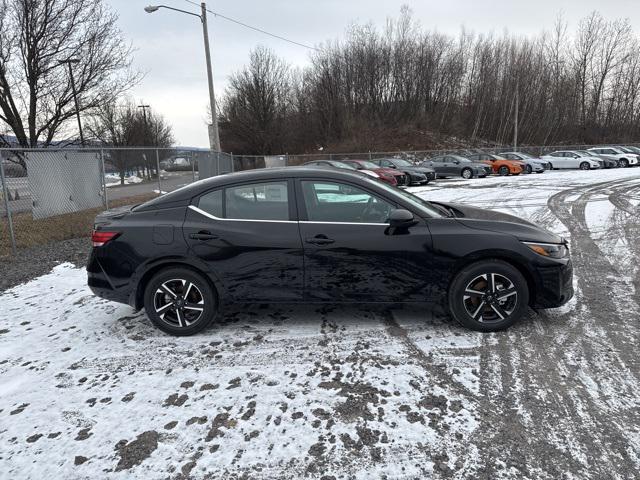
456,166
417,175
299,234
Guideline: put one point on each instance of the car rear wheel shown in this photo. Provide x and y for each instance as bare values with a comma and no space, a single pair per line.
504,171
466,173
624,162
180,301
488,296
584,166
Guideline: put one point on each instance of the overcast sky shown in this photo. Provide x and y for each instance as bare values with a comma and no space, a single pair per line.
169,45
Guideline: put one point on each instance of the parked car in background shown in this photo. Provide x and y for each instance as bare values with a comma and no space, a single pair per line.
630,149
498,164
456,166
604,161
417,175
388,175
341,165
571,159
325,235
624,158
531,164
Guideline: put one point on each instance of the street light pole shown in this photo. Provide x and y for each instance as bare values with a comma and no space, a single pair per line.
69,61
214,137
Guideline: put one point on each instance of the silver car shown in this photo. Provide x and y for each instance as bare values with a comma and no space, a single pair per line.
532,164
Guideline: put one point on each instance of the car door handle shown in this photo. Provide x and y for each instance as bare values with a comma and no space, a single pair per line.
320,240
203,235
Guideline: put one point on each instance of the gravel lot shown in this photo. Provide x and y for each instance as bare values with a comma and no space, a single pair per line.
91,390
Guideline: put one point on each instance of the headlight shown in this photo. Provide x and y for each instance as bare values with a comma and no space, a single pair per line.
552,250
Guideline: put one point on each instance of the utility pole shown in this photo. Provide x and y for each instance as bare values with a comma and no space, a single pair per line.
214,137
69,61
515,123
144,116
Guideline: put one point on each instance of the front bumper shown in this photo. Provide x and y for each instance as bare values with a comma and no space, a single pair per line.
555,285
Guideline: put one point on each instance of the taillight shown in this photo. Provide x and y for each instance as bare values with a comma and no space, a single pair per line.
99,237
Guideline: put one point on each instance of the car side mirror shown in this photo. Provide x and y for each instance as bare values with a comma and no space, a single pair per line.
401,218
457,162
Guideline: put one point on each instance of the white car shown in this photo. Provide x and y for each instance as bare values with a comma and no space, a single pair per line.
625,159
571,159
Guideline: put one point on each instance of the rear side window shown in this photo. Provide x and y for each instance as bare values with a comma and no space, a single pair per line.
212,203
257,201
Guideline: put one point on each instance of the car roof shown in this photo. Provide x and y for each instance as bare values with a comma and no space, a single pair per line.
187,192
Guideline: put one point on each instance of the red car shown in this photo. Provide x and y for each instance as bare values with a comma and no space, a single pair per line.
387,175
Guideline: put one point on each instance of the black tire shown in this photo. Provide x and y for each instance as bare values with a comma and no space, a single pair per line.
192,319
503,170
529,169
550,166
585,166
624,163
500,313
466,173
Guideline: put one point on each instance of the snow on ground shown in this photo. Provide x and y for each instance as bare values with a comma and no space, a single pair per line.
91,389
113,180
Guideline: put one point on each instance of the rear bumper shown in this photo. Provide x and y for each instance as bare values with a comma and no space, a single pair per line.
102,286
555,286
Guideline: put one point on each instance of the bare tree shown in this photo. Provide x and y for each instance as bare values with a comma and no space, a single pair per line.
36,99
122,124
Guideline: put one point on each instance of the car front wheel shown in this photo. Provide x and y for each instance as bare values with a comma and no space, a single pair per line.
180,301
488,296
529,169
624,163
504,171
467,173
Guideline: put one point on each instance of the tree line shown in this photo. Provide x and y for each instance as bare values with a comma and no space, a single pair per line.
580,86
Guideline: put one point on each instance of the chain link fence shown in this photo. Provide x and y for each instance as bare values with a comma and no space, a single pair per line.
54,194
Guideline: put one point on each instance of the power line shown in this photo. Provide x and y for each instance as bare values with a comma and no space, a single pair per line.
238,22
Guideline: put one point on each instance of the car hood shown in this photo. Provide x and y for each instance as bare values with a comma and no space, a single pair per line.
490,220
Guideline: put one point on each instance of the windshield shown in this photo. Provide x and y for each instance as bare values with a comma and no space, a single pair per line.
401,162
462,159
368,165
524,155
584,153
423,206
346,166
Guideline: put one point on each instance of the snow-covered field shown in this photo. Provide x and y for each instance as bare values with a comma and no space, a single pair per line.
89,389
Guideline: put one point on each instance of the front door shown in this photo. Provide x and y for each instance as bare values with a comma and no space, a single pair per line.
248,235
351,254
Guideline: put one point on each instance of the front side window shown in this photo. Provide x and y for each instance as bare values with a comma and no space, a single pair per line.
342,203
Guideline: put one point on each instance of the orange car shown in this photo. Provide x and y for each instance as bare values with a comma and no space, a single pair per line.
500,165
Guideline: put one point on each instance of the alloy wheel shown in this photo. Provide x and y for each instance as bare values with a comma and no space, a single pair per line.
490,298
466,173
178,302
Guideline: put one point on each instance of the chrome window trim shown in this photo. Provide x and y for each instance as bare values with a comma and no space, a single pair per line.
343,223
213,217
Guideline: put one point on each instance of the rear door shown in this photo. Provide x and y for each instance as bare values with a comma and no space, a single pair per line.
248,235
351,254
